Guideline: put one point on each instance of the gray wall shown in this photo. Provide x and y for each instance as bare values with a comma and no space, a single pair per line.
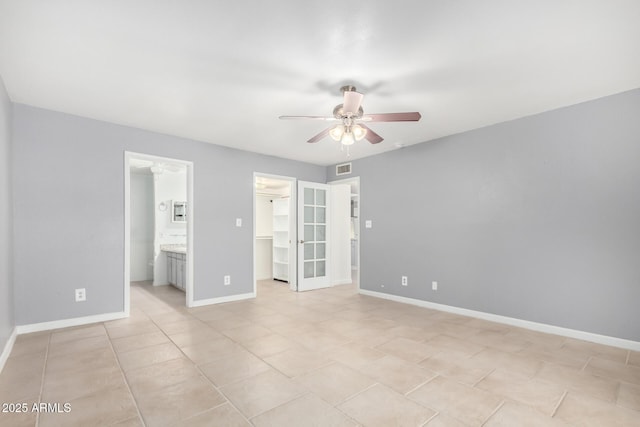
69,208
537,218
7,321
141,226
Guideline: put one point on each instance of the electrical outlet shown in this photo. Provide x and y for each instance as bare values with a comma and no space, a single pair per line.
434,286
227,280
81,295
405,281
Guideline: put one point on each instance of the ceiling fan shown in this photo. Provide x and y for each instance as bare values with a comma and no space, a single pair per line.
351,118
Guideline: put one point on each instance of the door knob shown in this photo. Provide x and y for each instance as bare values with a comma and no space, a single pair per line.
301,241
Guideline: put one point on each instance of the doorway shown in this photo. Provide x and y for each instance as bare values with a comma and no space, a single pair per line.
274,232
167,255
354,225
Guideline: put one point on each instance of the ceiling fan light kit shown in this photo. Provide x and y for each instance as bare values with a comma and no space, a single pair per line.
351,115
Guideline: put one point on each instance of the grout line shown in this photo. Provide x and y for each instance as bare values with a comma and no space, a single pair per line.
44,369
420,385
126,382
483,377
555,409
430,419
494,412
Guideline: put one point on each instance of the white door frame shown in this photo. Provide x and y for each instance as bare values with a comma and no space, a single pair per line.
128,155
293,229
348,181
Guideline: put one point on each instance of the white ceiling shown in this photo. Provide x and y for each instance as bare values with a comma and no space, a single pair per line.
223,71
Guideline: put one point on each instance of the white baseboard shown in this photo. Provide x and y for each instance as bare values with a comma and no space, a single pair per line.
342,282
65,323
7,348
219,300
535,326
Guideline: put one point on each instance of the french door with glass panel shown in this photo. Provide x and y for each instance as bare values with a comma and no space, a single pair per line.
313,236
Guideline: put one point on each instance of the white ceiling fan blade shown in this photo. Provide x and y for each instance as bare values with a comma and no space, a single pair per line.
324,118
352,101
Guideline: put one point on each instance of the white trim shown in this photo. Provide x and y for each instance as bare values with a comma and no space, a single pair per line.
219,300
65,323
535,326
6,352
189,287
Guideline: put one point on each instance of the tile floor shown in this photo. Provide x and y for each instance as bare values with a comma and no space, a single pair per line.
323,358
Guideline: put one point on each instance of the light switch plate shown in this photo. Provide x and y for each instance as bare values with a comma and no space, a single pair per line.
368,224
238,222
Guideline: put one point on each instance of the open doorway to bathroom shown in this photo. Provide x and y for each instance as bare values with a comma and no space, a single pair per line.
274,231
158,226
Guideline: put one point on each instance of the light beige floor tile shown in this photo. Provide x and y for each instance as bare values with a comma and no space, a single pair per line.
269,345
244,334
456,366
238,366
381,406
597,350
319,340
224,415
335,383
297,361
209,351
21,377
19,419
444,420
124,344
574,379
556,355
258,394
615,370
445,343
307,410
147,379
513,362
30,344
65,386
81,362
354,354
180,401
131,422
406,349
275,319
228,322
104,408
516,414
467,404
586,411
542,395
629,396
77,332
415,333
137,328
61,348
634,358
189,324
194,337
148,356
398,374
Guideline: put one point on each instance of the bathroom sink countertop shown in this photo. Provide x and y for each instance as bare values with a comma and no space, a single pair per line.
177,248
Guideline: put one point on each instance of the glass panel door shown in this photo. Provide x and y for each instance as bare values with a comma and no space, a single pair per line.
313,230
